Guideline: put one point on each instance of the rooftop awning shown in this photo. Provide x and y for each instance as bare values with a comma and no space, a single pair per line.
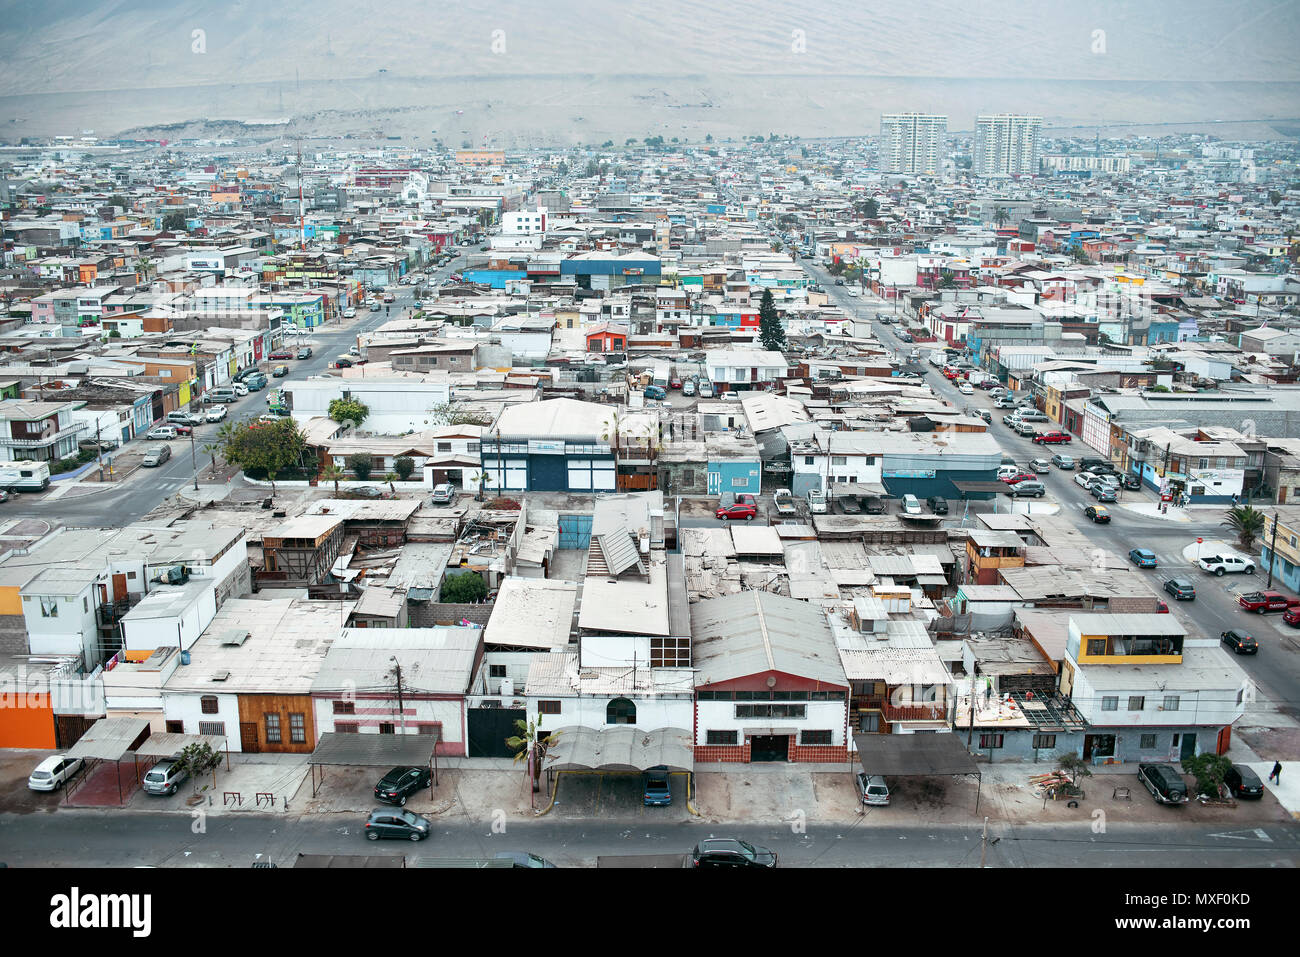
914,755
994,487
109,739
169,743
620,748
374,750
839,489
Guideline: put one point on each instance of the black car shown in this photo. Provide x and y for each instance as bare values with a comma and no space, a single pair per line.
906,337
849,505
1181,589
364,491
727,852
396,823
1131,481
1165,784
400,783
1242,782
1240,642
937,504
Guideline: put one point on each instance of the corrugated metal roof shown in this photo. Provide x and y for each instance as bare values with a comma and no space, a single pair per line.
620,748
754,632
619,550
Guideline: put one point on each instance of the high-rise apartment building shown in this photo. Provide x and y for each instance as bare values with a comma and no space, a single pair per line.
1006,145
913,143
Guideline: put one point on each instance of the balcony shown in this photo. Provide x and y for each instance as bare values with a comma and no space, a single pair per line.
41,441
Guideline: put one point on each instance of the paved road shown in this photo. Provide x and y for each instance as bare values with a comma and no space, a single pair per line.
1275,670
140,492
130,838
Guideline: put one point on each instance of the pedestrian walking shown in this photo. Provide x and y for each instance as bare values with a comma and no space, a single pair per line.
1276,773
1234,500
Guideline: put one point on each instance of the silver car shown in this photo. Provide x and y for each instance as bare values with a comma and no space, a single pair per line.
872,789
165,777
156,456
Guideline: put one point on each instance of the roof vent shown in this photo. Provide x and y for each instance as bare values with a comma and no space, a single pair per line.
221,676
235,638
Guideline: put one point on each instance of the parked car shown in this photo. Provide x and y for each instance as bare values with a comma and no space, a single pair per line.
728,852
1030,488
816,501
156,456
1165,784
656,392
401,783
655,790
184,418
1052,438
1242,782
1015,478
255,383
1181,589
675,383
738,510
280,354
1131,481
361,491
783,502
1084,479
911,505
239,389
1007,470
1024,429
1099,514
443,494
1220,565
872,789
304,352
280,372
849,505
1240,642
986,415
1103,493
164,778
217,413
349,313
162,433
342,362
938,504
1292,617
397,823
1264,601
53,773
966,388
1040,465
1142,557
688,387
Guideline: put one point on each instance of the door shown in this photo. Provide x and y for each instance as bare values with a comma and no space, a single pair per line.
769,747
1187,747
119,587
248,737
489,728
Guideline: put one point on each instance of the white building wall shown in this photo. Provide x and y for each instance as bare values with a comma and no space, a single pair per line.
186,706
1205,707
721,716
589,712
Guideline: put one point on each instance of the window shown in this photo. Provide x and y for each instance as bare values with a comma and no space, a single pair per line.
807,460
1137,702
427,729
208,704
217,728
345,707
990,740
1110,703
1096,646
49,608
814,737
839,460
670,652
620,711
444,446
721,737
297,728
742,482
130,576
1171,702
472,447
548,707
85,604
345,727
272,728
1147,742
496,671
387,727
771,710
1044,741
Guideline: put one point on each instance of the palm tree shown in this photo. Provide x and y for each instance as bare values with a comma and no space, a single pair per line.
1247,522
1000,215
612,428
212,448
530,745
332,473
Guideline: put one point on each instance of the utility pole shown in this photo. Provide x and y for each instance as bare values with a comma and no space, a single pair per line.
194,459
1272,551
984,842
401,708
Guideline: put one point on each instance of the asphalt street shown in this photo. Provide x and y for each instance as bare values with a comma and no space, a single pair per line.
119,503
131,839
1275,670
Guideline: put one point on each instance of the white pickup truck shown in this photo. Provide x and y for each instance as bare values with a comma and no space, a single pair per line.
783,502
1222,564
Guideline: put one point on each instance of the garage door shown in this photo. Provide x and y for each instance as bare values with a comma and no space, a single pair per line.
516,474
575,531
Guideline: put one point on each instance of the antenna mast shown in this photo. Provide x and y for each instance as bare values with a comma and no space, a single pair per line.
302,219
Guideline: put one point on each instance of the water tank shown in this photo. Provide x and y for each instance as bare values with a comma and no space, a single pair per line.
185,657
507,687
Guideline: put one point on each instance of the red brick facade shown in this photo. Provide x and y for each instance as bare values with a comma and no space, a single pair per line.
799,753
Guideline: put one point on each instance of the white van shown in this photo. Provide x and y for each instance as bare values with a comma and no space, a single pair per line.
816,501
911,505
25,477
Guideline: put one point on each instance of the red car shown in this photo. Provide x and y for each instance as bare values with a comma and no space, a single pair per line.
1019,477
1052,438
1262,601
282,354
739,510
1292,617
674,383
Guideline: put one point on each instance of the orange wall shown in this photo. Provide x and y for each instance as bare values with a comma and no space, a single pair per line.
26,720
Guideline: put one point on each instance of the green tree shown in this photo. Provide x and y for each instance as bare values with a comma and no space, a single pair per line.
269,447
454,413
1274,197
1208,769
770,332
531,740
173,222
629,141
212,448
348,411
198,759
708,138
946,280
467,587
1000,215
1247,521
332,473
1073,766
117,199
403,465
361,465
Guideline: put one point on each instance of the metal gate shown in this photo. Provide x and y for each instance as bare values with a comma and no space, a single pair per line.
489,728
575,531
